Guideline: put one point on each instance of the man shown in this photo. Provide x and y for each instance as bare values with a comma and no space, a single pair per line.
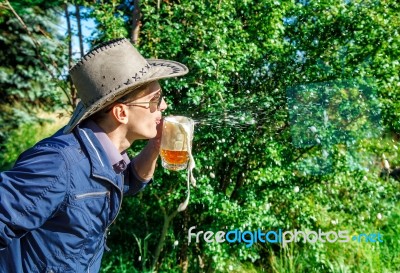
62,195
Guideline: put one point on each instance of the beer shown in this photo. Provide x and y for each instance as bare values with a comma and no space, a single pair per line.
176,141
175,157
176,149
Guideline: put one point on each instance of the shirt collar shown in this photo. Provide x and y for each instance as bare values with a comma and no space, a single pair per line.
119,161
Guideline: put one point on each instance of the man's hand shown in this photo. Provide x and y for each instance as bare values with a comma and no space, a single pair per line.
156,141
145,161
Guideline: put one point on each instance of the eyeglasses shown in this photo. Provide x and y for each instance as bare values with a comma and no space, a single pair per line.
154,104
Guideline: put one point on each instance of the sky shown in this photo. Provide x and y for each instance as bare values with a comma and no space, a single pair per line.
88,26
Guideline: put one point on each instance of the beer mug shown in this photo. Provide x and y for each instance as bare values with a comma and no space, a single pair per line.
176,142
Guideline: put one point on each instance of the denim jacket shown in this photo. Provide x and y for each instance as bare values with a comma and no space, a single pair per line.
57,203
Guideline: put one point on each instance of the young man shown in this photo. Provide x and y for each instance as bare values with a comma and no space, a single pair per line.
58,201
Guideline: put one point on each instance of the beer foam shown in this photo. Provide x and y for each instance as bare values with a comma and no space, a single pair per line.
186,142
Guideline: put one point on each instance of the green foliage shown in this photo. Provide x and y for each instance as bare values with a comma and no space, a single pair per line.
110,21
244,59
28,49
31,63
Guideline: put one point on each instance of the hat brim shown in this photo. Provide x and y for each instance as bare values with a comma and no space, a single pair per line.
161,69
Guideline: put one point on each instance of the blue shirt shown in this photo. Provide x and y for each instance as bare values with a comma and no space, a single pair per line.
119,161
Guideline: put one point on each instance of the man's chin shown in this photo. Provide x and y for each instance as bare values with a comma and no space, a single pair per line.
150,135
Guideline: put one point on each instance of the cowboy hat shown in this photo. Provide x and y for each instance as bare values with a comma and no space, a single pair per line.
109,72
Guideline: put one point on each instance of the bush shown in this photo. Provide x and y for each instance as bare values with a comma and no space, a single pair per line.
23,136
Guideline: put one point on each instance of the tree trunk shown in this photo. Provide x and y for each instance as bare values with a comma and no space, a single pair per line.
239,183
78,20
226,174
69,38
183,259
167,221
135,23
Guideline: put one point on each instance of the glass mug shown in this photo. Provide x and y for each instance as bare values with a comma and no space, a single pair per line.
176,142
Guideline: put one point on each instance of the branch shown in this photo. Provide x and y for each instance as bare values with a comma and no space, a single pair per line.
167,221
36,48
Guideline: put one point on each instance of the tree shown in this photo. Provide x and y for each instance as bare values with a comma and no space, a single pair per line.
32,61
244,58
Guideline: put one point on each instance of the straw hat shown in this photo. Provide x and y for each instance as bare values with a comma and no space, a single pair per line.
112,70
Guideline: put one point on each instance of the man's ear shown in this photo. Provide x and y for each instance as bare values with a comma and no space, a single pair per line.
120,113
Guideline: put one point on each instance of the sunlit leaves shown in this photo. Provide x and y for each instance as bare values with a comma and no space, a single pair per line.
252,170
